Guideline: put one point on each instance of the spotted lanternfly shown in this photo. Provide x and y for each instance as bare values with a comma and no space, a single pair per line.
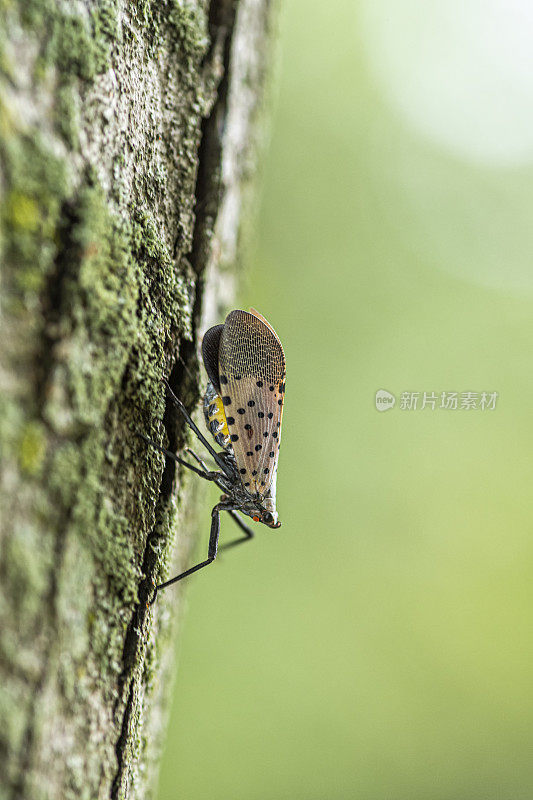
243,406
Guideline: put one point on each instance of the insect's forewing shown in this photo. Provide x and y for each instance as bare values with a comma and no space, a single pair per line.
252,381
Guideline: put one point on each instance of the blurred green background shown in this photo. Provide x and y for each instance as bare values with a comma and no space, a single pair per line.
380,644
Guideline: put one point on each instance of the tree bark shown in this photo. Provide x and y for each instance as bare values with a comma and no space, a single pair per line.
128,134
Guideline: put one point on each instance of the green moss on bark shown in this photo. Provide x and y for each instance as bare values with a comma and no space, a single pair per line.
35,185
77,44
95,303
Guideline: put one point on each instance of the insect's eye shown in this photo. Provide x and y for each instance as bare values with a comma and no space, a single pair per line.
268,518
255,519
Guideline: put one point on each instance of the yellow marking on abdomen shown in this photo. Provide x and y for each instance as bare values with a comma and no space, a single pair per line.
219,414
215,417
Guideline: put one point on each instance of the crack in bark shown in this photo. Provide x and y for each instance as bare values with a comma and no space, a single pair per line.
208,194
222,16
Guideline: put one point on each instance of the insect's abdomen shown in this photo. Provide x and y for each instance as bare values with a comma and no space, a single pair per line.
215,417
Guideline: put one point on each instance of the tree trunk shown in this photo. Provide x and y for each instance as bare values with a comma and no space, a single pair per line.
127,138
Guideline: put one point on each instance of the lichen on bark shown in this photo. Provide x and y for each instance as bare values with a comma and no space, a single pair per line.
127,141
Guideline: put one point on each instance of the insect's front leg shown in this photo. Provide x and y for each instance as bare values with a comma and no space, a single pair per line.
211,550
248,532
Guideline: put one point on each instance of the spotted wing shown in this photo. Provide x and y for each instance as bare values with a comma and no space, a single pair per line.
252,381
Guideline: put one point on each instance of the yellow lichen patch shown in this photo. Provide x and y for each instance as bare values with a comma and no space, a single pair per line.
23,211
32,448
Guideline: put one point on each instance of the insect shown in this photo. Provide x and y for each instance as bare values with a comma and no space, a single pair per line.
243,407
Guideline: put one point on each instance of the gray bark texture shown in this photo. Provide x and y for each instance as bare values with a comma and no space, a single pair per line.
128,140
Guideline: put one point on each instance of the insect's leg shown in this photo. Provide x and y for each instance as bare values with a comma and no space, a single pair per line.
211,551
248,532
195,429
209,476
198,459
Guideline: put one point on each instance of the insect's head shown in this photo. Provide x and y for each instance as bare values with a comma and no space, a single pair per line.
267,518
265,507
